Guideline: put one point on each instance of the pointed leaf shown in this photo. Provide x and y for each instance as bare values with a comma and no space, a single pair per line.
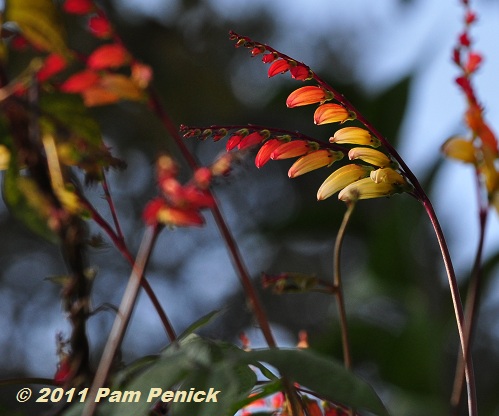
328,378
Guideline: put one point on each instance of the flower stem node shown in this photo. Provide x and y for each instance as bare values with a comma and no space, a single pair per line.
341,178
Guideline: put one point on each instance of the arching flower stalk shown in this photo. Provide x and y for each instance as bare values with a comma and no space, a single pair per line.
373,167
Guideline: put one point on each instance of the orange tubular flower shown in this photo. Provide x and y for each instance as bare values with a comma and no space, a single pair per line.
278,67
291,149
354,135
312,161
341,178
250,140
263,155
331,113
306,95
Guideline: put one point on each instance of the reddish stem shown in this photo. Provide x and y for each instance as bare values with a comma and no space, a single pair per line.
233,249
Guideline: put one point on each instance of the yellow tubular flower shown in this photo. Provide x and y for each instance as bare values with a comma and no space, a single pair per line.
366,189
354,135
342,177
372,156
312,161
387,175
460,149
306,95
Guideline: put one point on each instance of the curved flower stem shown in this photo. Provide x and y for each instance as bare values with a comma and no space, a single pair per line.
122,318
119,243
471,309
347,357
451,276
244,277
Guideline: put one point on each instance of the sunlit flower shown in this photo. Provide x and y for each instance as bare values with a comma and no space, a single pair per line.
309,94
460,149
300,72
372,156
158,211
331,113
312,161
474,61
341,178
354,135
80,81
294,148
366,188
387,175
108,56
233,142
100,26
278,67
52,65
251,139
263,155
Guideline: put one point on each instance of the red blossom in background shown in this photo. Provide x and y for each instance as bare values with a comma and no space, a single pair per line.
78,6
52,65
100,26
108,56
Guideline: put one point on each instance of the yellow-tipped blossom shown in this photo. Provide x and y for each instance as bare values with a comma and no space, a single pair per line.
307,95
312,161
354,135
331,113
372,156
366,188
342,177
294,148
460,149
387,175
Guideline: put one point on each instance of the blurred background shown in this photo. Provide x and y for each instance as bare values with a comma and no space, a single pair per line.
392,59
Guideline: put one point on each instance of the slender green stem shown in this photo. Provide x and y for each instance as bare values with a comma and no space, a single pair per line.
338,293
122,318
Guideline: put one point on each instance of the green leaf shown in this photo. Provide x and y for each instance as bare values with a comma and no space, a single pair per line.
68,111
40,23
26,202
328,378
205,320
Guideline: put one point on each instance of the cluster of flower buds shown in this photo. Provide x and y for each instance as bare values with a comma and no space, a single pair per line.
371,172
481,147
